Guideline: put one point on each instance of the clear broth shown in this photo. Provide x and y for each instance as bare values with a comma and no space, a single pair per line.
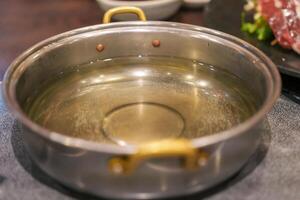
141,99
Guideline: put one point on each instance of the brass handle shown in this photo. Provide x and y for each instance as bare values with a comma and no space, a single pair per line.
166,148
123,10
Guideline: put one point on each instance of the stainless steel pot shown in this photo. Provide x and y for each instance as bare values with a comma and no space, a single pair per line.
129,171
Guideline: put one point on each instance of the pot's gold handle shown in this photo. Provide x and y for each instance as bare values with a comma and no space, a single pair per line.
123,10
166,148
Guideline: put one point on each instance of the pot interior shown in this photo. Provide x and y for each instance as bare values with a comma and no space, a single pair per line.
133,92
132,100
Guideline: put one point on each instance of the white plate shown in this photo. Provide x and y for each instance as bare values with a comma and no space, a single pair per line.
195,3
154,9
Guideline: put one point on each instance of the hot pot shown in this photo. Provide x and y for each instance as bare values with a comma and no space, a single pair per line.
158,161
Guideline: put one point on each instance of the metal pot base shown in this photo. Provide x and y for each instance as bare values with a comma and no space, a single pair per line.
142,122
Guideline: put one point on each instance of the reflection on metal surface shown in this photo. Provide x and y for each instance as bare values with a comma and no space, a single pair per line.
140,73
202,83
189,77
164,183
218,158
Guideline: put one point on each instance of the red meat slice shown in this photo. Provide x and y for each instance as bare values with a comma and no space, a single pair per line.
283,17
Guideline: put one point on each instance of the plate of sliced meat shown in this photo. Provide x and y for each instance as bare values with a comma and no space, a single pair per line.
273,26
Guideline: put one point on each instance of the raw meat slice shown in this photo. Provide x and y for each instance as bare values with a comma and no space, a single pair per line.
283,17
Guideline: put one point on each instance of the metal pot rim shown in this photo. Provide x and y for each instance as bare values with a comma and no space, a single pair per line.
273,78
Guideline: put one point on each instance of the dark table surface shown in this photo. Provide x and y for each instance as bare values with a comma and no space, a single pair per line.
26,22
271,173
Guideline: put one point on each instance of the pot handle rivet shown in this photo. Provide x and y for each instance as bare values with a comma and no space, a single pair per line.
156,43
100,47
192,157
